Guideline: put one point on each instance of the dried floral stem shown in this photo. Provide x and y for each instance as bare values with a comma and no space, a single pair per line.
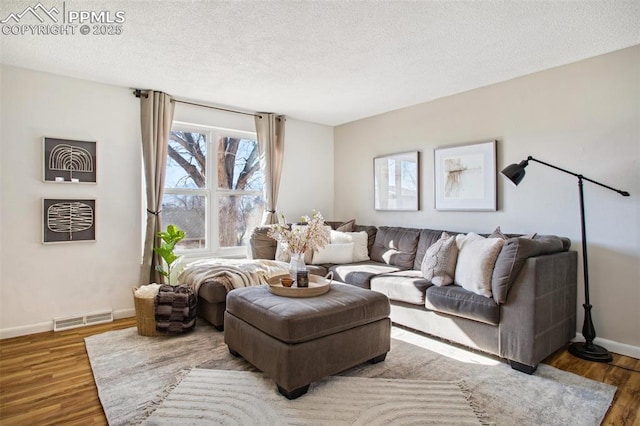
312,236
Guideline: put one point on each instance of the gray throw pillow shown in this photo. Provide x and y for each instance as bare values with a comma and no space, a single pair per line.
514,253
347,226
497,233
439,263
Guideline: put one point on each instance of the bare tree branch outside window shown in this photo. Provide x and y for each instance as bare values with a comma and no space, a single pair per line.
239,187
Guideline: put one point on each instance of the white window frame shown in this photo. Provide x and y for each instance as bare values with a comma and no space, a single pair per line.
212,192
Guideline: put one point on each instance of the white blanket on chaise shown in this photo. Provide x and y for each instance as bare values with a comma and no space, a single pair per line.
238,272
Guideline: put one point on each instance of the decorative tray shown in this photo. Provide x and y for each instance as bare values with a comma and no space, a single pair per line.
317,286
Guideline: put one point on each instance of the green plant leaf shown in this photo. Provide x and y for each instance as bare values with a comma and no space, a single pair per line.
172,235
160,269
170,238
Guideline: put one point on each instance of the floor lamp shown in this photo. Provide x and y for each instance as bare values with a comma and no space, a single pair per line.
585,350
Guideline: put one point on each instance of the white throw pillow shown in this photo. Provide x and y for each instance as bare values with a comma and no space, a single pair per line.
476,258
439,263
359,240
334,253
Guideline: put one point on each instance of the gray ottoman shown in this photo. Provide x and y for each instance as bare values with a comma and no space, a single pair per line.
296,341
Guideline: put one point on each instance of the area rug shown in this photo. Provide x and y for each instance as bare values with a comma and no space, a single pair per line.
134,373
224,397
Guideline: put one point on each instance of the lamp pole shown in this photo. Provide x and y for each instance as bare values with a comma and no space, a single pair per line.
585,350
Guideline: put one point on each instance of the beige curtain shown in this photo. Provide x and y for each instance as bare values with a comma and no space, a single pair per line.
270,131
156,116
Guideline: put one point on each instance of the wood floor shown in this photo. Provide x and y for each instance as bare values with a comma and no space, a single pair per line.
46,379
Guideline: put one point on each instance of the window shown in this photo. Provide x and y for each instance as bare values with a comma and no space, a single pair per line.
213,188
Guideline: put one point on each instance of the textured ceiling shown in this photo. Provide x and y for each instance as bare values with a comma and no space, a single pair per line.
328,62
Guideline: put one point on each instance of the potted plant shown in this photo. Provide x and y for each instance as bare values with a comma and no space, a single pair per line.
170,238
144,297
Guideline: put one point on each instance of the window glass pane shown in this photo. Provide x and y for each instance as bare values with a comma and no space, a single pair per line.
238,215
239,164
186,160
188,213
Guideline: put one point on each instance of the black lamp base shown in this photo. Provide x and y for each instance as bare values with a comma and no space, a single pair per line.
590,352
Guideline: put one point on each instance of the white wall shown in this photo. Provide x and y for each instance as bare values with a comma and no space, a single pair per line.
40,282
584,117
307,175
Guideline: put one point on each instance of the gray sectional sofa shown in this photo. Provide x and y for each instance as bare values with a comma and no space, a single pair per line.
531,314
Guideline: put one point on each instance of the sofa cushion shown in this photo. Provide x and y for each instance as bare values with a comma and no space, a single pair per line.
439,264
395,246
402,286
360,273
513,254
455,300
476,259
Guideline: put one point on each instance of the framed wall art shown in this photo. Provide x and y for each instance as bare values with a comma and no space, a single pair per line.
465,177
397,181
70,161
68,220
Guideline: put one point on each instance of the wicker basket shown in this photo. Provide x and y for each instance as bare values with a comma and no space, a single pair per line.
145,315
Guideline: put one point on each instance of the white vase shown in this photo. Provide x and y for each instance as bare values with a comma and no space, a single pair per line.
296,264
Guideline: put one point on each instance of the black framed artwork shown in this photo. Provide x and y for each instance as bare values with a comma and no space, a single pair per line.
69,161
67,220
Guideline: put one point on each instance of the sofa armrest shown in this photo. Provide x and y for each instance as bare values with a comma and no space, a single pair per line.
539,316
261,246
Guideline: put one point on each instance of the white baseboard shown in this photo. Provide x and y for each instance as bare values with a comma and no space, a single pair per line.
612,346
23,330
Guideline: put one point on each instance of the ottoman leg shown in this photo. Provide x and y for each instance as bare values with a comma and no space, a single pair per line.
296,393
378,358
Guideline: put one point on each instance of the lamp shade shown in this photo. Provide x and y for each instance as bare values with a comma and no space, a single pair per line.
515,172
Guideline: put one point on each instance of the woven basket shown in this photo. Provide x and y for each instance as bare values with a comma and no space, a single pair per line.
145,315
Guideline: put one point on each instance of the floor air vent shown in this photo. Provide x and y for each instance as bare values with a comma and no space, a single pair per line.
82,320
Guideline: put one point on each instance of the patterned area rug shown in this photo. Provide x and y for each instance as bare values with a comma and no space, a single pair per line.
243,398
134,373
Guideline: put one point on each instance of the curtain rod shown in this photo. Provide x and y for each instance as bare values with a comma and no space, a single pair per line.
139,93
